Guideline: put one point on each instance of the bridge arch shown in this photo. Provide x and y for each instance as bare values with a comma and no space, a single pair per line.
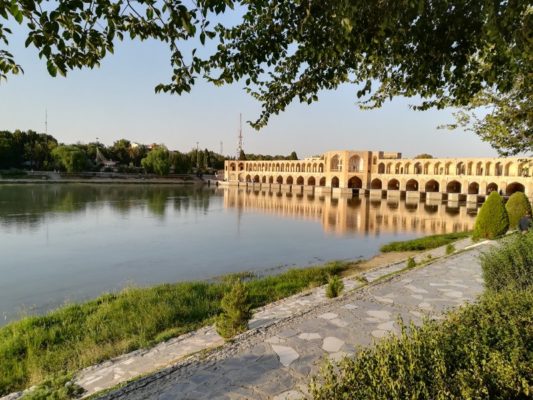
514,187
322,181
335,182
264,179
393,184
381,168
432,186
491,187
311,181
335,163
453,187
355,183
279,180
289,180
256,179
473,188
355,164
300,180
411,185
376,184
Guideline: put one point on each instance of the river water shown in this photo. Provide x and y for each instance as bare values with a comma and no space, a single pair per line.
61,243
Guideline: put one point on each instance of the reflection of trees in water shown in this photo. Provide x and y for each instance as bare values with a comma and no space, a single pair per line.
29,205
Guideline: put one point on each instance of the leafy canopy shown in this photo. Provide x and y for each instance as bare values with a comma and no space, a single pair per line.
445,52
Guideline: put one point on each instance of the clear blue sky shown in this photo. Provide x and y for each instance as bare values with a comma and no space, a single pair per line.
118,101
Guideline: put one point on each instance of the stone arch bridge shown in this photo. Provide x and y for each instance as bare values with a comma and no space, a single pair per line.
387,175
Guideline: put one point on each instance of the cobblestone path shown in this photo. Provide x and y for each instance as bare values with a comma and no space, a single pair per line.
278,360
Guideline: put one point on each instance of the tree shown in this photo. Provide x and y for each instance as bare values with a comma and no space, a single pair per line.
120,151
70,158
242,156
157,161
424,156
446,52
235,311
293,156
517,206
492,220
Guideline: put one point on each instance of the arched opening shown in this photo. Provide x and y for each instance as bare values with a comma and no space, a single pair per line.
289,180
479,168
473,188
232,166
297,167
264,179
335,163
311,181
279,179
432,186
437,169
320,167
498,169
248,178
417,169
322,182
355,183
256,179
376,184
300,180
394,184
514,187
407,168
381,168
335,182
453,187
355,164
411,185
491,187
460,168
388,169
271,179
241,167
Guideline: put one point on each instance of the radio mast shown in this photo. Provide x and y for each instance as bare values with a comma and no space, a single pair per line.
239,146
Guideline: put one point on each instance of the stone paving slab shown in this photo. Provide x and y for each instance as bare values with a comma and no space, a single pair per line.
276,359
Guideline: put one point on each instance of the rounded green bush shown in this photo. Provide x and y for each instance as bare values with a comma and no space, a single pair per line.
517,206
492,220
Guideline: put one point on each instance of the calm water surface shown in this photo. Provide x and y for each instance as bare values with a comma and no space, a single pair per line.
62,243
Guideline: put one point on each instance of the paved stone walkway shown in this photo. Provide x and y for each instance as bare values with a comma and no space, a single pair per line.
276,359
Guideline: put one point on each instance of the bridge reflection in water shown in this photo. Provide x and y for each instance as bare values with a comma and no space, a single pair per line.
359,215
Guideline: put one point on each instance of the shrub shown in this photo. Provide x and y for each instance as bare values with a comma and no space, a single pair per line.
492,220
235,311
481,351
411,263
450,249
335,286
517,206
510,265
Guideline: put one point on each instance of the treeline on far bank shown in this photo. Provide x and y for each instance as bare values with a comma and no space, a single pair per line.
39,151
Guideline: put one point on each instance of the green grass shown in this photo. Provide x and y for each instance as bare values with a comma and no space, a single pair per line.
38,349
424,243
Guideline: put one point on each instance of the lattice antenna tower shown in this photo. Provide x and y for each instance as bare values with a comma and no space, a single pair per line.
239,146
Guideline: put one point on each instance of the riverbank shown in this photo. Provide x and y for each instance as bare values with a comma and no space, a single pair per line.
97,178
74,337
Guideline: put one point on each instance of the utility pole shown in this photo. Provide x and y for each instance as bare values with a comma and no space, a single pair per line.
221,148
